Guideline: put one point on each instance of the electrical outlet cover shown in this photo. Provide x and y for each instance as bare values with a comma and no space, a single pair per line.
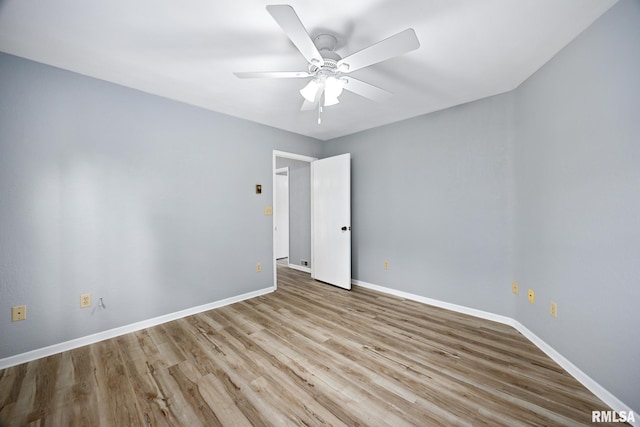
85,300
18,313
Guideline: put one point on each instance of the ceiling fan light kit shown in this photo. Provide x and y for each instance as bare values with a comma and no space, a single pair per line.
331,87
328,71
332,90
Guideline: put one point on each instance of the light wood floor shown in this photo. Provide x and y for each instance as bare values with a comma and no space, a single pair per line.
308,354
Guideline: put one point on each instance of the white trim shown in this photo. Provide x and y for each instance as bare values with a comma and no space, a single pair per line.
595,388
299,267
600,392
294,156
453,307
122,330
285,172
311,221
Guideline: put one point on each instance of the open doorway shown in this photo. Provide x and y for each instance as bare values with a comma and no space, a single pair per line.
298,170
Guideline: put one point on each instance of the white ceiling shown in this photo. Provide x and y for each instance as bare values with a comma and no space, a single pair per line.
187,50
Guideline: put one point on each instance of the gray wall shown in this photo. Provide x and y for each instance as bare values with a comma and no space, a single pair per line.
145,202
540,185
299,209
432,195
577,163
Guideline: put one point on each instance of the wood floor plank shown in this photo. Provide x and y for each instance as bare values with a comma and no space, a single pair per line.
139,369
178,407
86,409
114,386
222,403
20,408
308,354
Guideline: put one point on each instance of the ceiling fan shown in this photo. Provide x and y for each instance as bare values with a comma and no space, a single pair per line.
328,71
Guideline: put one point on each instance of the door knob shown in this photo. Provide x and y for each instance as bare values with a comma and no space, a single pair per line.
345,228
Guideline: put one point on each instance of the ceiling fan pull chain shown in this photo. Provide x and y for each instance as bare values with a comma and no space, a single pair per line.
320,104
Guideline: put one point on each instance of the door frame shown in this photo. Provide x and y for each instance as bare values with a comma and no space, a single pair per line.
285,155
276,214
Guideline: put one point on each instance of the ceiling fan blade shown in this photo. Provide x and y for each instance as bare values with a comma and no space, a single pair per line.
288,20
272,74
403,42
365,89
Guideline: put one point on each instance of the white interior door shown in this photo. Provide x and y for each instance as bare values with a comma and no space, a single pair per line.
331,220
282,214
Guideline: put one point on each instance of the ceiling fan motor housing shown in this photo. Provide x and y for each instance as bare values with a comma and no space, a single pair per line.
326,43
329,68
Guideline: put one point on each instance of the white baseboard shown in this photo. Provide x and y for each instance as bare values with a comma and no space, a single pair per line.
602,393
299,267
595,388
116,332
453,307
